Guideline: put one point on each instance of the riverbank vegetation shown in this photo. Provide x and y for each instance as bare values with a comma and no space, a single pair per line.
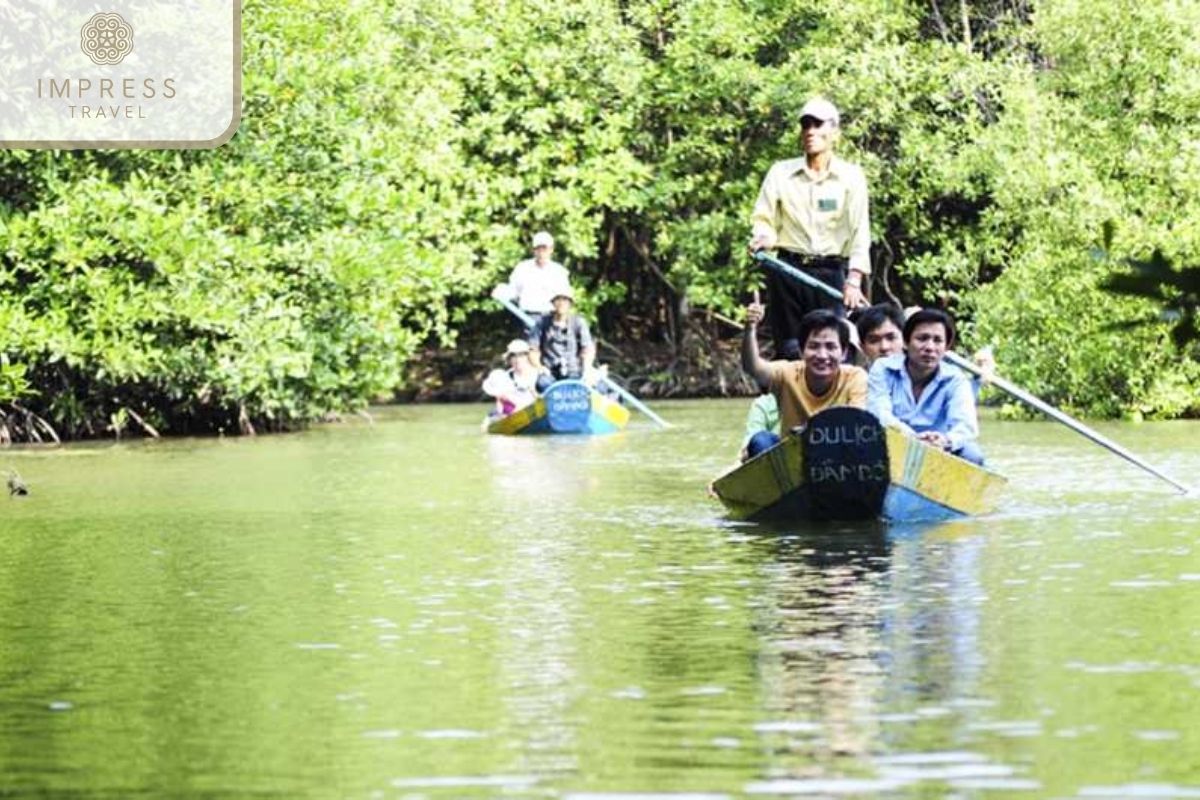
394,158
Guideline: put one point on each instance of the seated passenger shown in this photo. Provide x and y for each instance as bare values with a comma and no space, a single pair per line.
983,359
764,411
802,388
762,417
916,392
513,388
880,331
562,344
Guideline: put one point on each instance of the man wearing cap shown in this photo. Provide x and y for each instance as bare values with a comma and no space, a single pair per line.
561,342
814,211
533,280
515,387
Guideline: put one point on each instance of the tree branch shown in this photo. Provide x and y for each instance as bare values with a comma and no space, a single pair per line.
941,23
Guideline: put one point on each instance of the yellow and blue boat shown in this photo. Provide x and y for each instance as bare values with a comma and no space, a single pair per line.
569,406
846,466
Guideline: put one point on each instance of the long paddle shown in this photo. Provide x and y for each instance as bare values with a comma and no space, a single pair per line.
616,387
783,268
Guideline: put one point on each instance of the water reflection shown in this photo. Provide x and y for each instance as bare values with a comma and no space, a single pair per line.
822,659
536,649
534,472
868,634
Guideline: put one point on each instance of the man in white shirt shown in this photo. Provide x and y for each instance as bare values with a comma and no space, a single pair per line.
814,210
534,281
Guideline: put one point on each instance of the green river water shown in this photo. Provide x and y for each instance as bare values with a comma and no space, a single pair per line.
411,609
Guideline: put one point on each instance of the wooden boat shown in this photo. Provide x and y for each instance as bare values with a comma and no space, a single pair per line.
567,407
846,466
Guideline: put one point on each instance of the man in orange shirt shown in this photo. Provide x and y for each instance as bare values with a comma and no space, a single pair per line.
819,380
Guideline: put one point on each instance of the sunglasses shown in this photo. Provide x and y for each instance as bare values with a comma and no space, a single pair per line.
811,122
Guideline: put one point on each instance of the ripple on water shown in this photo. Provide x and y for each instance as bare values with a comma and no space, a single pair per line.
925,759
786,726
943,766
390,733
810,786
465,781
1008,728
960,770
644,796
1123,667
1129,791
451,733
1139,583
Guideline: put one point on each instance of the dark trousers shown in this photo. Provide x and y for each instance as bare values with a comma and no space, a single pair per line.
788,300
761,442
555,374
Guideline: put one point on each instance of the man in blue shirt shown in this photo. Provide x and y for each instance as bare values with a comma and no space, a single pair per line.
915,392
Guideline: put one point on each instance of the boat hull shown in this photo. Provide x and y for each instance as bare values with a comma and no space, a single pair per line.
846,466
567,407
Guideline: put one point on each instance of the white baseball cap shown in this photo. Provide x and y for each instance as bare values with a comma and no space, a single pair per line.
543,239
821,109
517,347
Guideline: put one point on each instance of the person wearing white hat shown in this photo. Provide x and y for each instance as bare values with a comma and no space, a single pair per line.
533,279
514,387
814,211
561,343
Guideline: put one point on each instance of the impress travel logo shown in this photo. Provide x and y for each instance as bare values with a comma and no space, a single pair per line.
127,74
107,39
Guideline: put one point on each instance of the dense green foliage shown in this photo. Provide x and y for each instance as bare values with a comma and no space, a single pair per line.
394,157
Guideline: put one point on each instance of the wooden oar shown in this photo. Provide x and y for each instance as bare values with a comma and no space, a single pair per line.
612,384
1052,412
954,358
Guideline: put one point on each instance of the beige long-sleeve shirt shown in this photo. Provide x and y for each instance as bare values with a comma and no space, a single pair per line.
819,215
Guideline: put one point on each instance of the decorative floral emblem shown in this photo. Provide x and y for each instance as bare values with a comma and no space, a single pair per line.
106,38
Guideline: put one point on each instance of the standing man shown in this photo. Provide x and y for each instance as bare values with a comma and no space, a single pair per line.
533,281
814,211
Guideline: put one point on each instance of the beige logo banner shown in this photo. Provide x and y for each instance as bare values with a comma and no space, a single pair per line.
106,38
119,73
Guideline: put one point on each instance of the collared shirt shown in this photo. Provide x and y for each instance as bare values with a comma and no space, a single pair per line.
817,215
535,286
976,381
763,416
797,403
560,347
947,404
